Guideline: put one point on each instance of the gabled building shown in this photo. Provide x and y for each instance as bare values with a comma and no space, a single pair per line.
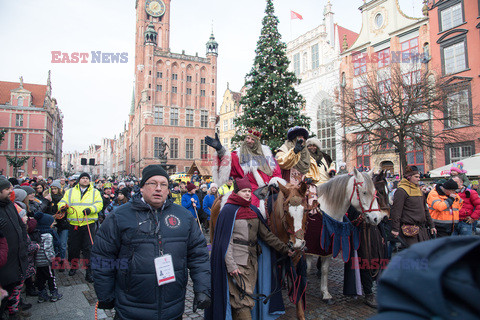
35,129
229,110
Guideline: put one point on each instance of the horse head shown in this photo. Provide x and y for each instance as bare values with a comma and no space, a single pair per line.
294,215
364,197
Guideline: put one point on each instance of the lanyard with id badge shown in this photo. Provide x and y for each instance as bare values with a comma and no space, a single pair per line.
163,264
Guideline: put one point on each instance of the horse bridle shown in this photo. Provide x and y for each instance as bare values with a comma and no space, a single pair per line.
355,188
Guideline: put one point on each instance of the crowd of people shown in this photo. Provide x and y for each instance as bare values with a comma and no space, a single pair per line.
140,240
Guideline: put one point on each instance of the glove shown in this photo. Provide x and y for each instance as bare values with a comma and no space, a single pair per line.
201,301
3,223
87,211
298,146
106,304
214,143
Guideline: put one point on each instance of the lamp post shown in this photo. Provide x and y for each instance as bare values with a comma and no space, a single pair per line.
343,85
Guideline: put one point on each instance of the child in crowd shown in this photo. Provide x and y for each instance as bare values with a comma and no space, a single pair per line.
44,259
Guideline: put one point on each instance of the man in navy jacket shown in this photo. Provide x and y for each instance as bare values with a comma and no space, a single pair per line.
128,242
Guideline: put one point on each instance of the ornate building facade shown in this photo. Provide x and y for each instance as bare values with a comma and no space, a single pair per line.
175,94
229,110
34,126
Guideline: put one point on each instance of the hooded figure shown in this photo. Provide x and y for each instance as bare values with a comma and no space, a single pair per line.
240,234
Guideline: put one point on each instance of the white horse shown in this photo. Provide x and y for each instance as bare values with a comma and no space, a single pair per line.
334,198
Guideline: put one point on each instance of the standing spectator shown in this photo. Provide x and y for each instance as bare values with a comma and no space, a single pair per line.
84,203
457,170
190,200
201,193
227,187
15,233
208,202
183,187
195,178
63,184
122,198
147,228
176,194
45,255
61,219
444,205
409,213
470,210
71,182
342,168
107,198
49,181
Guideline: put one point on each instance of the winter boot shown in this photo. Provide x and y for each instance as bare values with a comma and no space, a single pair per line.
43,296
55,296
370,300
31,292
24,306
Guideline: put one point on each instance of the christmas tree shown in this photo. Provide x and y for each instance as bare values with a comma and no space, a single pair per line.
271,104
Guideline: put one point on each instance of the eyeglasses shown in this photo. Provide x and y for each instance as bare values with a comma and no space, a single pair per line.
155,185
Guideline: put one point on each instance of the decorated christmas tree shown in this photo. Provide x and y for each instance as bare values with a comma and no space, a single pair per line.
271,104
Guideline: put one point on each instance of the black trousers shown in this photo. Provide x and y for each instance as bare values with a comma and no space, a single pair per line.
79,241
46,275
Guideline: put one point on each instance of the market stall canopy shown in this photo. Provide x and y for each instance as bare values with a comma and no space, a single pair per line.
204,171
471,164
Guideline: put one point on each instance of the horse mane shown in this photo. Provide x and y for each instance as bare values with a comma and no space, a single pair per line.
335,189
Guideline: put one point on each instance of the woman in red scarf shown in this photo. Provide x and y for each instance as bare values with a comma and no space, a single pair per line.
235,252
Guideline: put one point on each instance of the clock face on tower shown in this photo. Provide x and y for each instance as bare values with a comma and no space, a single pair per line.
155,8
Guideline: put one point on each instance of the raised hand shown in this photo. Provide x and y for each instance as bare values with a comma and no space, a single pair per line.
214,143
298,146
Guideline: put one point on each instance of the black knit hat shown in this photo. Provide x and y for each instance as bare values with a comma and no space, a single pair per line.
153,170
4,184
84,174
450,185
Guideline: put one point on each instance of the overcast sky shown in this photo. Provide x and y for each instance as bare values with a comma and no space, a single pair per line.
95,98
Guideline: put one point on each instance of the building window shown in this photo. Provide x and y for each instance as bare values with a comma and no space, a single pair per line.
296,64
19,120
315,58
172,170
157,115
189,118
157,141
232,124
383,58
363,151
410,50
202,80
204,119
173,148
202,93
361,106
20,101
305,62
174,76
189,91
189,78
459,151
159,75
18,141
159,87
458,110
385,144
225,125
359,64
225,143
174,117
451,17
415,155
174,89
189,149
454,57
203,149
326,128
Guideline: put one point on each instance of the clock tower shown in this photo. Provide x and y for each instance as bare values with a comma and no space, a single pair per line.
174,95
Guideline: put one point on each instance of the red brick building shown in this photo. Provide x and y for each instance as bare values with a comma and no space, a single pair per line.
174,96
35,125
455,48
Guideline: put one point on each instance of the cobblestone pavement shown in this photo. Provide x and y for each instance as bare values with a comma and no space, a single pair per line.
79,300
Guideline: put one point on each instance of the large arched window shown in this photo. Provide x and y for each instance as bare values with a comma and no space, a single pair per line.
326,127
20,102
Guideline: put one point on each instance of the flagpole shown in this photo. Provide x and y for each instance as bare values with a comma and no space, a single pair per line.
291,35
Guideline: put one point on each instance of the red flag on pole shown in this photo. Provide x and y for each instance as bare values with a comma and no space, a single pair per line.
294,15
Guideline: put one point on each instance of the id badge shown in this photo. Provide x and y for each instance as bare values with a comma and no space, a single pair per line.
164,269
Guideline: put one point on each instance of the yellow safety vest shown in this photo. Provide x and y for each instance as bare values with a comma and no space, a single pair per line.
225,189
91,199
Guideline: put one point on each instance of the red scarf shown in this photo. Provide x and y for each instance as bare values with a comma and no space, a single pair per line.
244,212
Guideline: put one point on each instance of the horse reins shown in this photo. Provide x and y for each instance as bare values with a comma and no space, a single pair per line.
355,188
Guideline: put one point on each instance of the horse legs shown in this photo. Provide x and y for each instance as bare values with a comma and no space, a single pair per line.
324,280
300,311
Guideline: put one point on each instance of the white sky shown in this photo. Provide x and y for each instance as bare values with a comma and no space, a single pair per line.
95,98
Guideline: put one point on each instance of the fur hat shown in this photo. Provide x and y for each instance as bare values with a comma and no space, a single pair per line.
458,167
297,131
153,170
450,184
315,142
410,171
241,184
190,186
